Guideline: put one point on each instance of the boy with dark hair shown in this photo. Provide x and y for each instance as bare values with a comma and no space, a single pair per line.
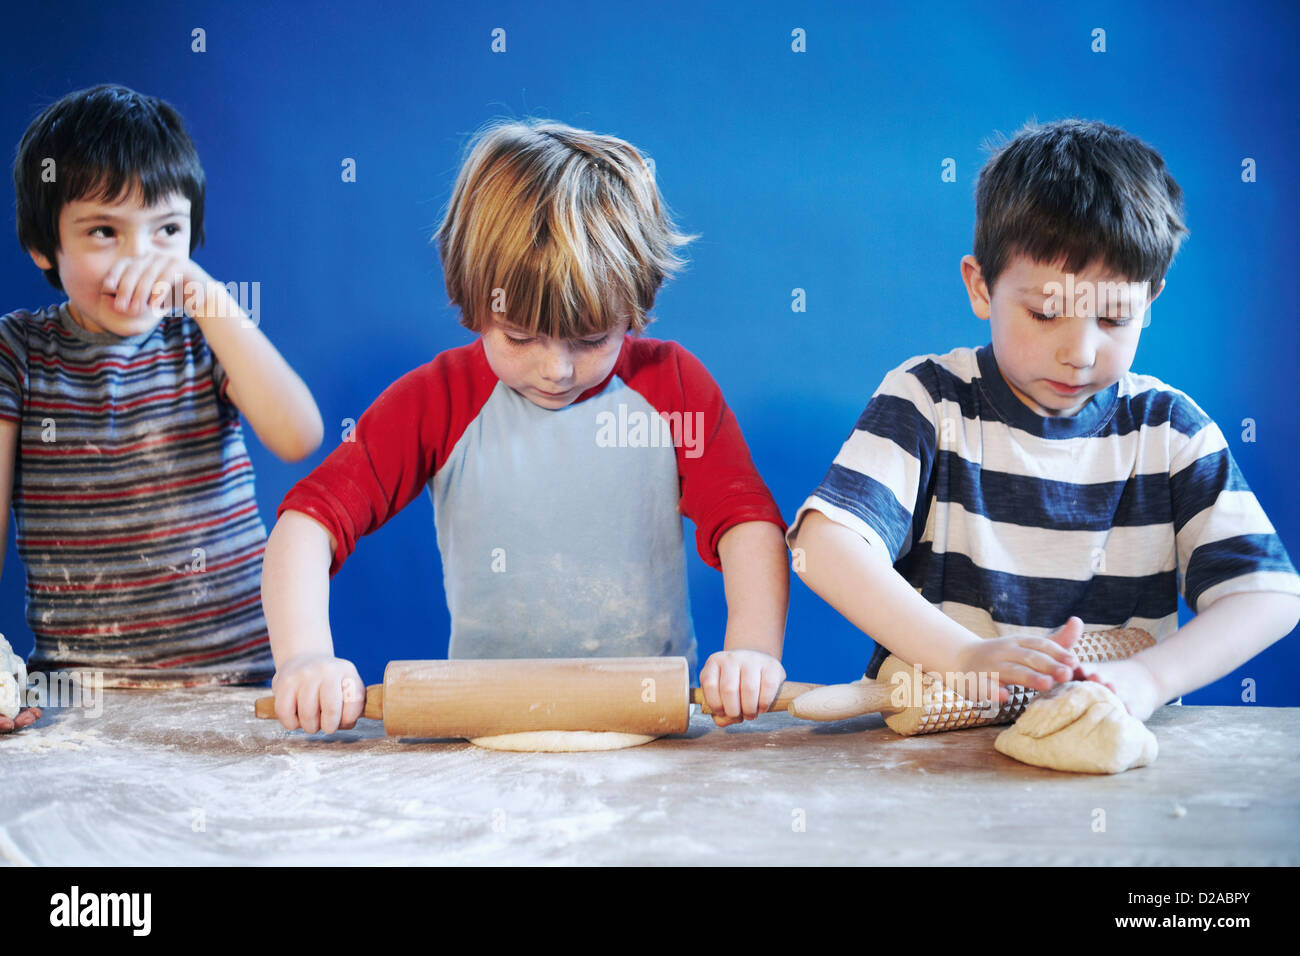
120,440
993,503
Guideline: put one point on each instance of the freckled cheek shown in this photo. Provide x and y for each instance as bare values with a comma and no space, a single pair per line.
588,368
509,368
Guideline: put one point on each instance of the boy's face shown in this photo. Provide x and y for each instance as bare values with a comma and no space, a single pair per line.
550,373
94,235
1059,339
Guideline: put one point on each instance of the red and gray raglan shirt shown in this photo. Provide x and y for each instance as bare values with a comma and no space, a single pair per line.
133,504
560,530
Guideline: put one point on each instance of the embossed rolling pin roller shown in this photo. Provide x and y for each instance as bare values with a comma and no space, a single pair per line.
480,698
940,708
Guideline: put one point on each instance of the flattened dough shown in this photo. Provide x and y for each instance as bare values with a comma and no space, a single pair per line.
1079,726
561,741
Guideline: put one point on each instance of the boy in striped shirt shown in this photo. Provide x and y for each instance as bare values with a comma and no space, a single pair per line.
120,442
993,503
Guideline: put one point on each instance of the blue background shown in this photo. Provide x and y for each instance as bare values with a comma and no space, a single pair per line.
817,170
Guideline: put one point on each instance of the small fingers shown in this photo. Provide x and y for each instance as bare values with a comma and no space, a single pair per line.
286,707
772,679
309,706
750,685
729,687
1045,664
1050,648
1068,633
127,288
354,701
709,686
1025,677
331,705
114,275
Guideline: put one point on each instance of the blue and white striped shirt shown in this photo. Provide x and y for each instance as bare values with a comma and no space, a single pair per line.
1010,522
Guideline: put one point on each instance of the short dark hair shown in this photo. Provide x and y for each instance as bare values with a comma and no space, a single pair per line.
104,141
1081,192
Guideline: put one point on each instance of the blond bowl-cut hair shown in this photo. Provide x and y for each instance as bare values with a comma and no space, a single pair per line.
556,230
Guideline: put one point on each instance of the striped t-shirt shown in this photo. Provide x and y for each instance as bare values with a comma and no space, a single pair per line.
1010,522
133,504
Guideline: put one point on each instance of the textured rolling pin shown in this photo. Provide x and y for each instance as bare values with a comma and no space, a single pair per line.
896,688
480,698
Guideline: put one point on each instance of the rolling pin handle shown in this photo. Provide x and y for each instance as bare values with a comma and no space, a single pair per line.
264,708
787,692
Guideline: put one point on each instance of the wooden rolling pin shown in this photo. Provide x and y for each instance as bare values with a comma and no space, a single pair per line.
481,698
893,692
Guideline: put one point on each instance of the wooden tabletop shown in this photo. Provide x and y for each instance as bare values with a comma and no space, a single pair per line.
191,777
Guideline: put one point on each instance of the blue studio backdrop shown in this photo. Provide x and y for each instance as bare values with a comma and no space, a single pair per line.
820,170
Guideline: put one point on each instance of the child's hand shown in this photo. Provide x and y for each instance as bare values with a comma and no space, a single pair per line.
153,280
318,692
27,715
1130,680
1038,663
740,685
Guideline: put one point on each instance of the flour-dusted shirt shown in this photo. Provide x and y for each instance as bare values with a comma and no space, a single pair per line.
1010,522
133,504
560,530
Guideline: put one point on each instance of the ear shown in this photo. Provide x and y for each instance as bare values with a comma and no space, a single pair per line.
42,263
1157,295
976,288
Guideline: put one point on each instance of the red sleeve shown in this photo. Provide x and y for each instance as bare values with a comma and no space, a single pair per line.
398,444
720,486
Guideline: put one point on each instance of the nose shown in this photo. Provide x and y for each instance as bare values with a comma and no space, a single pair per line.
1077,346
557,366
137,242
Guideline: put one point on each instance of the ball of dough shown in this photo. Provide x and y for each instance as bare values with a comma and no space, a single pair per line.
9,702
1079,726
561,741
13,680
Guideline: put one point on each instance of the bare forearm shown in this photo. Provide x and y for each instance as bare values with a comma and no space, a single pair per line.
1219,640
295,588
859,582
8,454
757,585
276,402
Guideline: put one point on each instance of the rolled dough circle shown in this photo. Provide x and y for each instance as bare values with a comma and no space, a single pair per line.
562,741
